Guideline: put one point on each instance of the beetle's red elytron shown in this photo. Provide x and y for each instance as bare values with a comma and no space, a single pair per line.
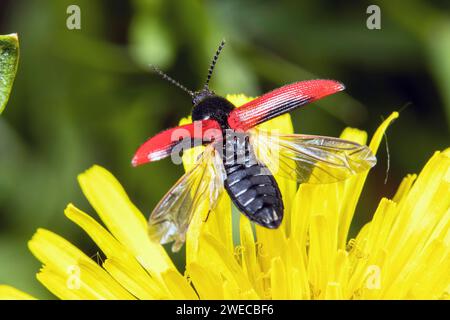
241,159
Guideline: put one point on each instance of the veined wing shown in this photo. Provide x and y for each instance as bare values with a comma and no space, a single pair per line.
309,158
170,220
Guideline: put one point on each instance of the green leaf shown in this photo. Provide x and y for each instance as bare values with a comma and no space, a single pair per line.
9,58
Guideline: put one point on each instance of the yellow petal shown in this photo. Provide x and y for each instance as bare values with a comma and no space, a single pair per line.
271,244
238,99
193,234
213,255
249,259
333,291
55,251
301,213
320,255
64,287
369,250
219,225
104,240
141,285
99,281
207,282
178,286
279,284
353,186
379,133
11,293
355,135
296,272
67,263
84,281
120,258
406,241
343,271
422,221
122,218
404,188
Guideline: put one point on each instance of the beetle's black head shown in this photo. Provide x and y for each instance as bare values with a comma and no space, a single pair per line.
213,107
201,95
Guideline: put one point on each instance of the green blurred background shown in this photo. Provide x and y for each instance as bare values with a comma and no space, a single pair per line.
84,97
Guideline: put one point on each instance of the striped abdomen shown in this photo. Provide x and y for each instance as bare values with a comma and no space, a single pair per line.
251,186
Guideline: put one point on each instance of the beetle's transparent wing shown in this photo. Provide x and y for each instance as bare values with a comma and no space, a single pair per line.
170,220
309,158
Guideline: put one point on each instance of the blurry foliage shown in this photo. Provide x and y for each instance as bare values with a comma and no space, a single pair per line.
87,96
9,58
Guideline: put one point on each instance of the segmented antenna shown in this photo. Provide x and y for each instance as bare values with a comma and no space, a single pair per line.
173,81
213,63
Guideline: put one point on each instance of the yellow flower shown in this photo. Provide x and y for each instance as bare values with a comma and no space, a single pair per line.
403,253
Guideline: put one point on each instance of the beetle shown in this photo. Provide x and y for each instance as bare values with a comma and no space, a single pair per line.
241,159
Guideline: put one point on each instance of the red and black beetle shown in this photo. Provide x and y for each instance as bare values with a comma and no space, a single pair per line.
229,161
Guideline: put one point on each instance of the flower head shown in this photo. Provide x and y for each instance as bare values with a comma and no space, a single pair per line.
402,253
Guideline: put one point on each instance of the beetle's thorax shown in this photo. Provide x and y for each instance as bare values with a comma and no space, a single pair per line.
207,105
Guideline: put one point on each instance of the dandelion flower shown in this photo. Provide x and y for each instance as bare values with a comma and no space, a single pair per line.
403,253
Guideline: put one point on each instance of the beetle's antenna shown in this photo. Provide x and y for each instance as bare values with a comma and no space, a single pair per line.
213,63
172,81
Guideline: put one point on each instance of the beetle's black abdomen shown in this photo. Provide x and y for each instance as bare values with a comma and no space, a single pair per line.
251,186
